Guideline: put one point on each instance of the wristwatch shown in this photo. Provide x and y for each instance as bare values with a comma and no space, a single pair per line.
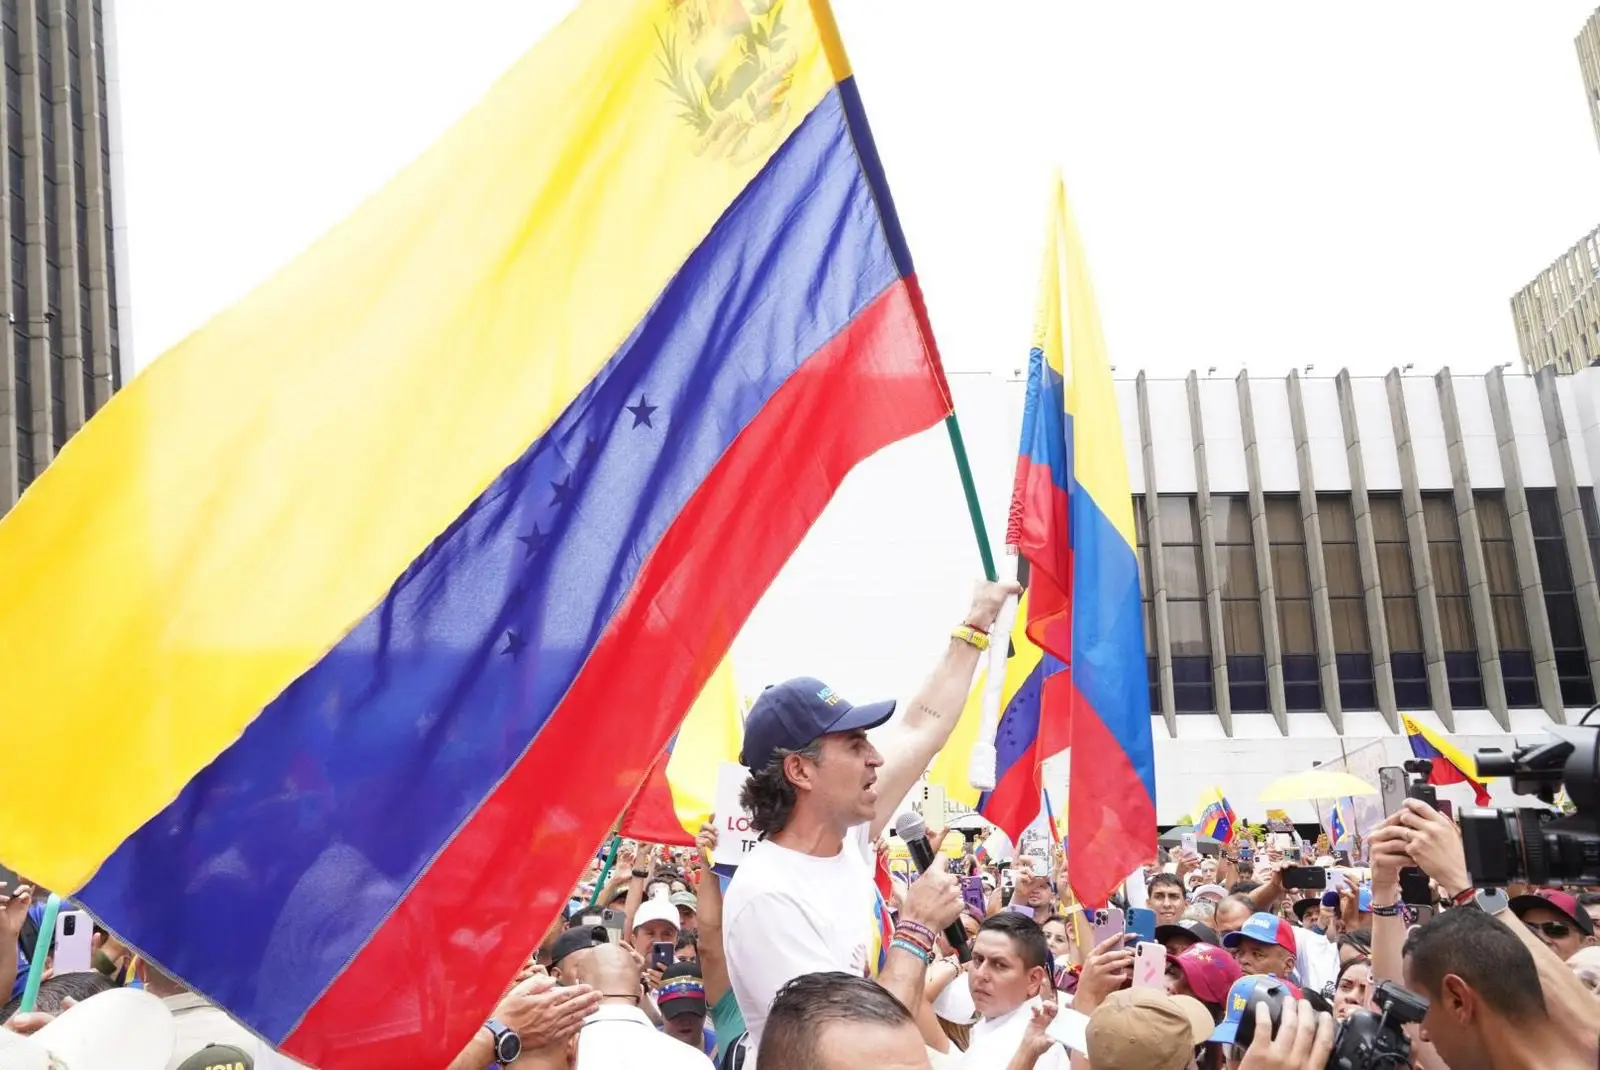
507,1045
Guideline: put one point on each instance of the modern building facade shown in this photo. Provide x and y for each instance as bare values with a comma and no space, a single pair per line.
1323,556
62,225
1557,315
1589,63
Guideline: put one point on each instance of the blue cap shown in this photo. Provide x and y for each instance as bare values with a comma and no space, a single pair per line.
1271,988
1267,928
790,715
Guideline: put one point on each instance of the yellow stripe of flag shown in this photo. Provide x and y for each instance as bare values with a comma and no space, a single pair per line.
226,519
1091,398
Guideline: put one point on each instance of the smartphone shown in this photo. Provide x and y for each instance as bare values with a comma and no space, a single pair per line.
1446,807
661,954
1305,878
1247,853
972,894
1142,923
1190,844
1150,966
1107,923
74,934
1391,788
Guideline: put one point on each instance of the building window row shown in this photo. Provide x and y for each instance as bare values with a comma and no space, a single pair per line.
1233,570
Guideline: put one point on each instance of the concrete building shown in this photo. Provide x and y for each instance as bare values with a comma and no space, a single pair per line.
1589,63
1323,556
1557,315
63,225
1320,558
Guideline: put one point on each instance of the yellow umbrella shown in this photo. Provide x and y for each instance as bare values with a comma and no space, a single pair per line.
1316,784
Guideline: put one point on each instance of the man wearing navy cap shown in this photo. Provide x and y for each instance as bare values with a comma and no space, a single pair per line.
820,792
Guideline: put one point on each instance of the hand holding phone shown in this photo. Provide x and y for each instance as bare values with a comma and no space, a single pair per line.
1106,924
1142,922
1190,844
1305,878
1150,966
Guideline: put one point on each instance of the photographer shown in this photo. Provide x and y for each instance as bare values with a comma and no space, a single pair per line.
1480,980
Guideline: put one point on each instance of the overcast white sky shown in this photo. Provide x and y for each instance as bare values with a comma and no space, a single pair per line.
1258,183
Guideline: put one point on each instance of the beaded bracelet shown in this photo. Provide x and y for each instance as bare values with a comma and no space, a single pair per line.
906,945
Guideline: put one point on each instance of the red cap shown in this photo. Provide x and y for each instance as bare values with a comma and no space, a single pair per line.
1210,972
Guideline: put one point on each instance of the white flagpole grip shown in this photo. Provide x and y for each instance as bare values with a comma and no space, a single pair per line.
981,770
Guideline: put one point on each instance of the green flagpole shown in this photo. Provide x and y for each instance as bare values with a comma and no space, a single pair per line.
964,467
605,872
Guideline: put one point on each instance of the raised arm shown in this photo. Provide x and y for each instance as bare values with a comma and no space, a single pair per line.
909,742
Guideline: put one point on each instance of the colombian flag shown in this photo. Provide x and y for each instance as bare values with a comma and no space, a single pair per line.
1217,817
679,793
1072,519
1450,766
394,579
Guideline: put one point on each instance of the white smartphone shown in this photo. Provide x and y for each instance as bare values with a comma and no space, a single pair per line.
1150,966
74,942
1190,844
1108,923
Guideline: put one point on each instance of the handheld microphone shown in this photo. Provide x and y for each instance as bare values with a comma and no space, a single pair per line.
910,827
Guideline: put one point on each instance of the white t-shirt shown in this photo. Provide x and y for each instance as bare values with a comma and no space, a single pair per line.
994,1042
788,914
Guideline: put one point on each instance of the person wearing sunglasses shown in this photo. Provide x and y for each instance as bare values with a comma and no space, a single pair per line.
1557,919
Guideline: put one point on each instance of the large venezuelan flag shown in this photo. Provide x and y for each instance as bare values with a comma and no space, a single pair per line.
680,792
391,582
1073,522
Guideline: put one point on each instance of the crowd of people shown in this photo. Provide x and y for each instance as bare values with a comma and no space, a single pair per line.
812,956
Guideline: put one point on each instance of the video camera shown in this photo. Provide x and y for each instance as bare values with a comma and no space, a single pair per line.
1530,844
1364,1041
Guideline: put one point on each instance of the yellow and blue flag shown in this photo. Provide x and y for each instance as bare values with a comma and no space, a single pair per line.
680,792
1450,765
394,579
1217,817
1072,520
1339,826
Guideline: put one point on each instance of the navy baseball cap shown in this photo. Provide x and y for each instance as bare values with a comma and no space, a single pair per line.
790,715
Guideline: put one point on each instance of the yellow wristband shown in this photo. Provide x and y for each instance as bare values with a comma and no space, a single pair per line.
970,635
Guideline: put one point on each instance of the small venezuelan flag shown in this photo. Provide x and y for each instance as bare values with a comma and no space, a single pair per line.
1450,766
1338,821
394,580
1217,817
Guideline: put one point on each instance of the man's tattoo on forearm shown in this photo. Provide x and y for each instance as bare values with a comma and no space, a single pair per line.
930,711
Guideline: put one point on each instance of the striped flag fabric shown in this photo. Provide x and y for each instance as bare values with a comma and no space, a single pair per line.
1450,765
394,579
1072,520
1217,817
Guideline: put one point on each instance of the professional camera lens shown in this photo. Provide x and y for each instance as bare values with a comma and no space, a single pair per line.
1364,1041
1528,844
